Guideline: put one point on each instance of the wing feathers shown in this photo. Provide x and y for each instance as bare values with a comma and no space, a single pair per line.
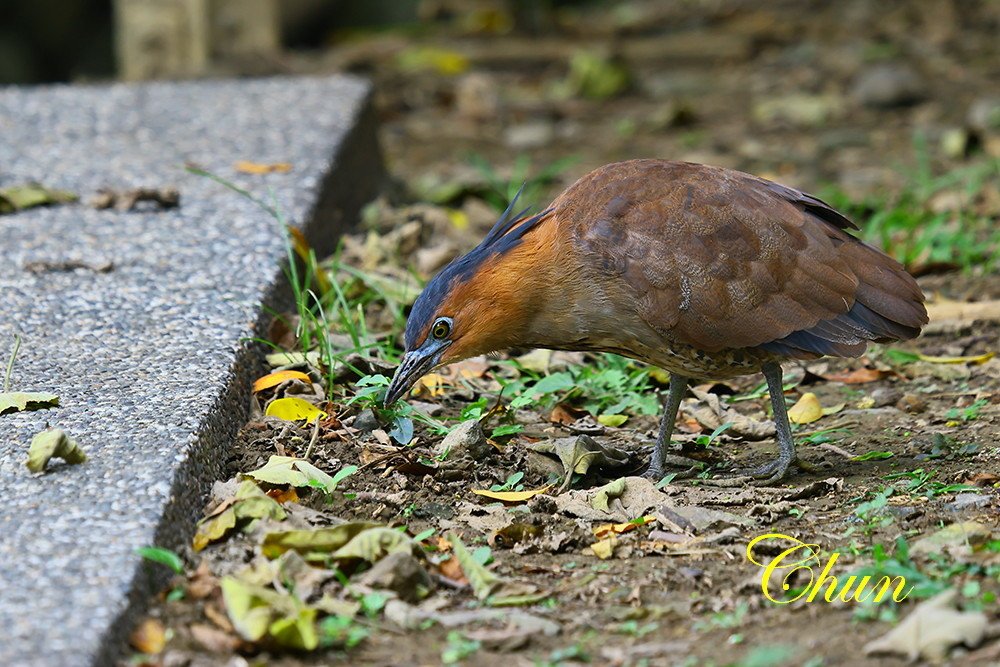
717,259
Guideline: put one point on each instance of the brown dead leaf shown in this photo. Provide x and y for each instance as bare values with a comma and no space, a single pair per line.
202,582
150,637
857,376
220,618
983,479
711,413
283,496
452,569
932,629
689,425
258,168
214,640
468,369
566,414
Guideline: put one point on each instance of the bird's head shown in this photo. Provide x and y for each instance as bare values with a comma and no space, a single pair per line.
461,312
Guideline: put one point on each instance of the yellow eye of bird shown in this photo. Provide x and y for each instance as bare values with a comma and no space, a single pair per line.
441,328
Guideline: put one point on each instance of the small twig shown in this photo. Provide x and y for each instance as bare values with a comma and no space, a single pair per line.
313,439
836,450
10,362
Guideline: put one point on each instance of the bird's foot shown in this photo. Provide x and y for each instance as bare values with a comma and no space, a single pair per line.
775,471
657,472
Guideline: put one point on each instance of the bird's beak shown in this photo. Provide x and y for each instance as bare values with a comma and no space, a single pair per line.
414,365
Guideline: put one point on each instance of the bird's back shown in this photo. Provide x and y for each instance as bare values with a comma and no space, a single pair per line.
721,263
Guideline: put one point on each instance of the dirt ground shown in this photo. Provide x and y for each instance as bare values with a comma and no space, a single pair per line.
776,91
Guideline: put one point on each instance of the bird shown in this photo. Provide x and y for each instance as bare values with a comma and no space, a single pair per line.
707,272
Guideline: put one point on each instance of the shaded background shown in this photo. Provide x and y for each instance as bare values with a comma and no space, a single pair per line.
889,109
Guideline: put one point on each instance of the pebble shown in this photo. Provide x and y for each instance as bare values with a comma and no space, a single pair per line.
911,403
533,134
466,439
966,501
400,573
477,97
984,114
889,85
884,396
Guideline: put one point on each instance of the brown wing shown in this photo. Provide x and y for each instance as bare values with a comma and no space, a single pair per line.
720,259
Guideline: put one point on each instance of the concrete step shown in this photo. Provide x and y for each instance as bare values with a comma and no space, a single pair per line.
149,359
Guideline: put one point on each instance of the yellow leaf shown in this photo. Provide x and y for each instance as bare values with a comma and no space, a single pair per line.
458,218
276,378
604,549
293,409
257,168
431,385
612,420
213,528
977,359
442,61
607,530
150,637
308,256
511,496
807,410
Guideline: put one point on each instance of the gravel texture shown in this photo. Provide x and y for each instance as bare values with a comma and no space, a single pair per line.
148,359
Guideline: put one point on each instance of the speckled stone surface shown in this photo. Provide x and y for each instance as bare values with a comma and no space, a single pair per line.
147,359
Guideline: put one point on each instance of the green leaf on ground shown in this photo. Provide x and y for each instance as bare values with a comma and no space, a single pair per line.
53,442
163,557
375,543
256,611
16,401
20,197
313,545
294,472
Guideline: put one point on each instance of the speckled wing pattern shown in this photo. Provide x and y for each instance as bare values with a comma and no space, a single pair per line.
718,259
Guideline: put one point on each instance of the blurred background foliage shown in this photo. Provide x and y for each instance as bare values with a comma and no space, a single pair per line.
889,108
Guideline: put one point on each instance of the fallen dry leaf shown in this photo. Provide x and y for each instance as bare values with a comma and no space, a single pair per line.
16,401
511,497
277,377
806,410
988,311
431,385
52,443
212,639
857,376
711,413
150,637
258,168
128,200
293,409
932,629
20,197
974,359
604,549
606,530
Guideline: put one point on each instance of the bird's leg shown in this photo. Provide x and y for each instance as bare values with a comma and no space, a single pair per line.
678,385
776,469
